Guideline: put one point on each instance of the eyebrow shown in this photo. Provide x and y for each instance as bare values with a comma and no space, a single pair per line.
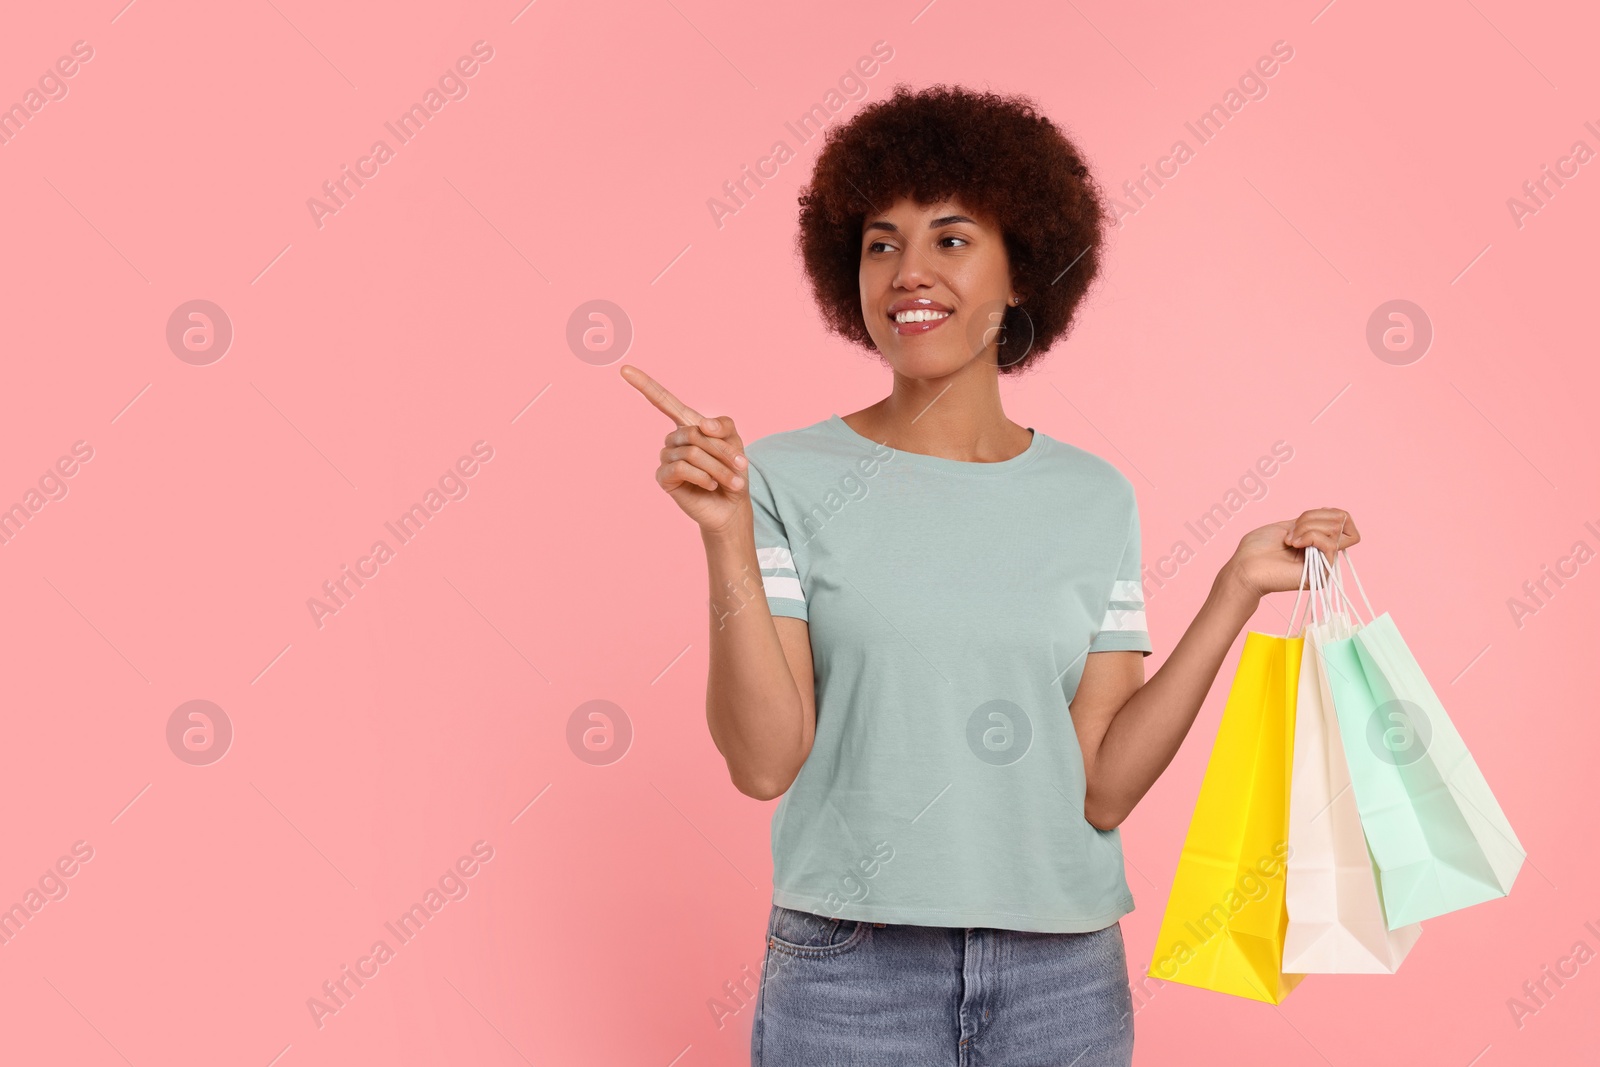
933,224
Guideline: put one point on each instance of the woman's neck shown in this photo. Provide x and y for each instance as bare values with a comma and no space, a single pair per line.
939,424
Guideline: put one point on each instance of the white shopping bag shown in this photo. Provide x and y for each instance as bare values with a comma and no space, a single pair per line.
1336,918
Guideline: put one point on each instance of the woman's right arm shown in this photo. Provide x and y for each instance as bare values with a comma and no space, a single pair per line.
760,702
760,705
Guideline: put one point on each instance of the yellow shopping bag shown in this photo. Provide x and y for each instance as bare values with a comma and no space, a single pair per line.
1225,920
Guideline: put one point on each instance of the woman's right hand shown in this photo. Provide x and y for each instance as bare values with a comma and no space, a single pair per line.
703,465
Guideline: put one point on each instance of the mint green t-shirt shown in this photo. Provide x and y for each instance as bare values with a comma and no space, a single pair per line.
951,607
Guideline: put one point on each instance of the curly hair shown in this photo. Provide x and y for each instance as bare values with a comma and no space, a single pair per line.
996,154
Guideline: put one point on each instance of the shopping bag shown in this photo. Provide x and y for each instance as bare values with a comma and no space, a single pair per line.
1224,924
1437,835
1336,917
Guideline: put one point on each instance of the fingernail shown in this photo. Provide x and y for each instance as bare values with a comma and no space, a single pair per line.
738,482
740,461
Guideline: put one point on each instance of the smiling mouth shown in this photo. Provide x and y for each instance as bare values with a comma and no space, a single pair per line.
918,320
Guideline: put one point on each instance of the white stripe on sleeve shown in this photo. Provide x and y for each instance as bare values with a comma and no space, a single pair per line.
787,588
775,557
1123,619
1130,592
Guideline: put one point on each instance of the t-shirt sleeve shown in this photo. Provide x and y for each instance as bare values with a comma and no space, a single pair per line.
779,576
1123,627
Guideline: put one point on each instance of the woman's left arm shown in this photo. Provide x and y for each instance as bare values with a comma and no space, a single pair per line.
1129,729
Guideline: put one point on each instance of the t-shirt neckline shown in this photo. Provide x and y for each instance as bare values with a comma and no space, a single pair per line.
941,463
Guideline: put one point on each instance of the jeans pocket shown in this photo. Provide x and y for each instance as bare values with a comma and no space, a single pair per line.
800,933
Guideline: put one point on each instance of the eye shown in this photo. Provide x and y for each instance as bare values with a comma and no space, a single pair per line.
877,245
953,237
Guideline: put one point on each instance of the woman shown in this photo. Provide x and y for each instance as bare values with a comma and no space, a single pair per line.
941,667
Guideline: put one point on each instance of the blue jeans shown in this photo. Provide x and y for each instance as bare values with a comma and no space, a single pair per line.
843,993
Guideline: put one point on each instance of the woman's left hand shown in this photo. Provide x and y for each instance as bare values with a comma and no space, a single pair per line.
1271,560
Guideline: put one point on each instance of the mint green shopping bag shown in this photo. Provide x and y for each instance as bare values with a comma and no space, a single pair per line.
1437,835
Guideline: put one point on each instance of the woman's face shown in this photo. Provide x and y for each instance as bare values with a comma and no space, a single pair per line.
947,265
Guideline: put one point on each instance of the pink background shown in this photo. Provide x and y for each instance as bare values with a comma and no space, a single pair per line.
431,312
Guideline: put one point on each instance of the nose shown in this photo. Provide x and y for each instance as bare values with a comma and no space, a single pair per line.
913,271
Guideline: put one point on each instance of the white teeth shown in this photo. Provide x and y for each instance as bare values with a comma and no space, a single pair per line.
920,315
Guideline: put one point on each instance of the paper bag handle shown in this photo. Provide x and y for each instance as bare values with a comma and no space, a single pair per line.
1326,586
1305,572
1338,581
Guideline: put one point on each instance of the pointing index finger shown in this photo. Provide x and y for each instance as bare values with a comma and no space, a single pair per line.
657,394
